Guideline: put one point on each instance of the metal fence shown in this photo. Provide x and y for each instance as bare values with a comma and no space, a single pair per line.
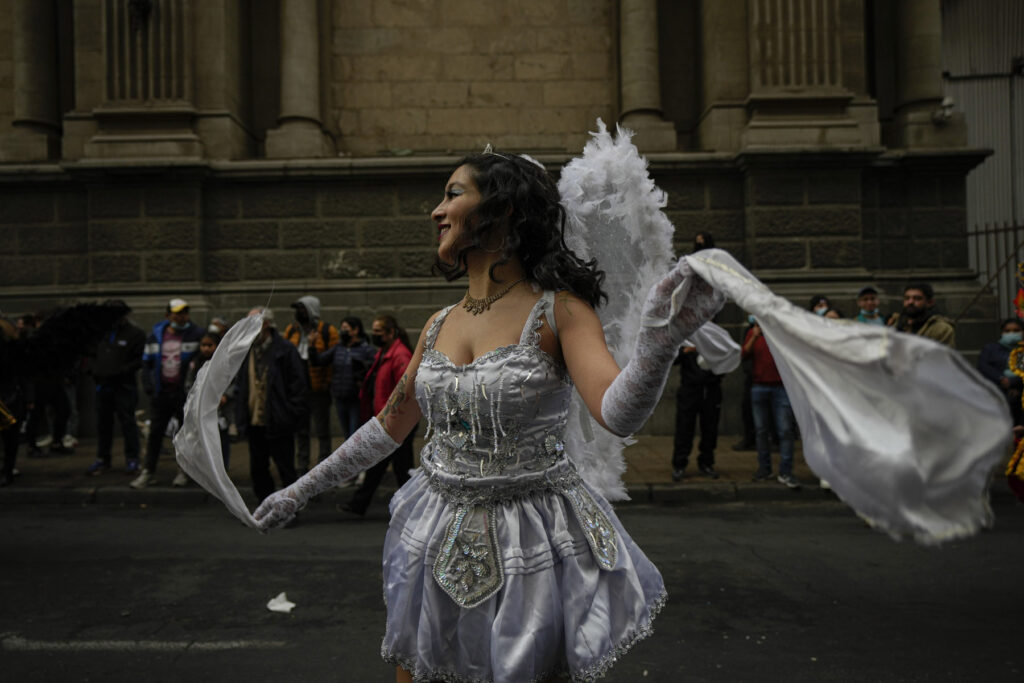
994,252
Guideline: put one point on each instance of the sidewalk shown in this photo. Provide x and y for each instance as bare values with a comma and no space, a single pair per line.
61,479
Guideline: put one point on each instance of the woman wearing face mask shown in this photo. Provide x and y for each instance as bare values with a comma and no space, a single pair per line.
351,358
819,304
500,563
386,371
994,364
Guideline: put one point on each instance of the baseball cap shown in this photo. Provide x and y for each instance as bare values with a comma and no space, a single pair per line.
177,305
866,290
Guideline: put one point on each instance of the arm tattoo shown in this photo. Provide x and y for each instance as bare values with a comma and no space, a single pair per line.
565,299
398,398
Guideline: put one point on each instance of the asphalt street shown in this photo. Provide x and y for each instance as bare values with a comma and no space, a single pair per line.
758,592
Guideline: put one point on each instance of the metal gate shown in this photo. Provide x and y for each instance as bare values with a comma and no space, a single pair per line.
983,71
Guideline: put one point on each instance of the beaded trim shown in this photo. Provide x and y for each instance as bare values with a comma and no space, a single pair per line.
603,665
470,491
588,675
447,676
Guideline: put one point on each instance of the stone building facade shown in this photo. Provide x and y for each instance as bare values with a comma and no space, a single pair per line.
229,151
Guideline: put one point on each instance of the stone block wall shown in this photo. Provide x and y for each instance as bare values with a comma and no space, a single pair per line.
803,219
457,74
6,65
231,239
915,221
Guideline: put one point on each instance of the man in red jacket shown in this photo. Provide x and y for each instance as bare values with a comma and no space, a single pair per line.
770,402
387,369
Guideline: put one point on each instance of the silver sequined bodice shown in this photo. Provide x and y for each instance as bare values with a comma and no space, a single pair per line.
502,415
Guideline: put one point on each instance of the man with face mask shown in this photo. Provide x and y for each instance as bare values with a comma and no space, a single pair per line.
311,336
165,359
919,316
994,364
867,302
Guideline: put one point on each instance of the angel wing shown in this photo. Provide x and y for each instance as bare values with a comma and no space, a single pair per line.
197,443
614,215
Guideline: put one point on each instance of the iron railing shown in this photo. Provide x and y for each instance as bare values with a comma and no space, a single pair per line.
994,253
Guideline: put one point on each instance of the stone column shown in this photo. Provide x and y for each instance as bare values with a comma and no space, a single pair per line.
36,135
639,77
798,53
725,75
299,133
921,120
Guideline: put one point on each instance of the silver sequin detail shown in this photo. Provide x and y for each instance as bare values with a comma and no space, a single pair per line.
596,527
468,567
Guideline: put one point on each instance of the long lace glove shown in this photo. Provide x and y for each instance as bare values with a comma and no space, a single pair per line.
364,449
675,308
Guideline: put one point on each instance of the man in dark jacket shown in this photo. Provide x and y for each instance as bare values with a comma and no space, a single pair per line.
699,397
118,359
166,356
272,402
919,316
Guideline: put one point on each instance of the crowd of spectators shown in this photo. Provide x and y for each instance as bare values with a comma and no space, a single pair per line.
768,420
285,386
282,395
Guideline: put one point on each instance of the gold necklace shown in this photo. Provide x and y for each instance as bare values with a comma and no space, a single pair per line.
478,306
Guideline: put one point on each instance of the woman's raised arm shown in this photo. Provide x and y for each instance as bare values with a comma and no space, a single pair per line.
621,401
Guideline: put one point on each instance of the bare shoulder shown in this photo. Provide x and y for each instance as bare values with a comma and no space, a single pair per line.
572,311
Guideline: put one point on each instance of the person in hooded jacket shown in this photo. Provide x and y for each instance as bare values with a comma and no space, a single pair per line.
312,336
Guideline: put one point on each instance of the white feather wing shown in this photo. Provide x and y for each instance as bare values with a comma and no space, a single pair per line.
614,216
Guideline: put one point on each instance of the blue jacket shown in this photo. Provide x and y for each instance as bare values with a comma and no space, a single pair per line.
152,358
994,359
350,366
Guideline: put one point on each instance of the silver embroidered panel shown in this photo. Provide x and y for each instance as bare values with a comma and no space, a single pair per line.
596,526
468,567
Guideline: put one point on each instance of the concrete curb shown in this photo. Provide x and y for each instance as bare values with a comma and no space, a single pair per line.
163,496
640,494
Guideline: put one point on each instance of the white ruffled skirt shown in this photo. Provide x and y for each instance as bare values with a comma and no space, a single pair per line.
557,612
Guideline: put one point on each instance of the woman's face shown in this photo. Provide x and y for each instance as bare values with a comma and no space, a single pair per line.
461,197
1011,327
386,336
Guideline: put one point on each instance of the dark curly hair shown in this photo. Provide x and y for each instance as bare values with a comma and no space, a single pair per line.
520,194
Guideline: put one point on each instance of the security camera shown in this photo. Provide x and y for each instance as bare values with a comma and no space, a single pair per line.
944,113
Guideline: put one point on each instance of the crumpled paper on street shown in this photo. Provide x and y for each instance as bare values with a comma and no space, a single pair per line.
281,604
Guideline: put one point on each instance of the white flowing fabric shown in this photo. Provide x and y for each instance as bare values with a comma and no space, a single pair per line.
197,443
903,428
720,352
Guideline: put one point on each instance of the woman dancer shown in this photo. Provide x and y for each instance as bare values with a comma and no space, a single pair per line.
500,563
